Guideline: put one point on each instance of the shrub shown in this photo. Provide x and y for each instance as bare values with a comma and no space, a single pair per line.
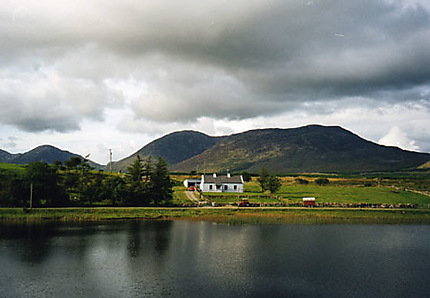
301,181
246,176
321,181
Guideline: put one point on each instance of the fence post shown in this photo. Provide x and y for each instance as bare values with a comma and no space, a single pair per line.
31,195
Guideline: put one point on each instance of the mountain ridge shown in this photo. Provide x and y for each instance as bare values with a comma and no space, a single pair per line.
311,148
303,149
44,153
173,148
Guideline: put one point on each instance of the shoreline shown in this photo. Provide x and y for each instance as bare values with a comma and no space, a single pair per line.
229,215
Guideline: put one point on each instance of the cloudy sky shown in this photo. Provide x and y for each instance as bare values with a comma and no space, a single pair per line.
89,75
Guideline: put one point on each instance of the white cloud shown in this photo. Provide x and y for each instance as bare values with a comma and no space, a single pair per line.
142,69
398,138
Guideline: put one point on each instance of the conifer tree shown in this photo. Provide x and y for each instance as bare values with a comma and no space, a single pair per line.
137,195
263,179
161,185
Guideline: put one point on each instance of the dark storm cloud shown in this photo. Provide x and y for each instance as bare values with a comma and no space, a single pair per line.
191,59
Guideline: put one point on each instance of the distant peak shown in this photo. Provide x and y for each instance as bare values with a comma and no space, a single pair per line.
46,146
323,126
187,132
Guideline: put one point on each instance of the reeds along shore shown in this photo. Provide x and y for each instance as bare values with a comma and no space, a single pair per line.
221,215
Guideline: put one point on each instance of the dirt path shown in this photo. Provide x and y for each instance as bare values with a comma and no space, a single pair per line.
424,193
190,195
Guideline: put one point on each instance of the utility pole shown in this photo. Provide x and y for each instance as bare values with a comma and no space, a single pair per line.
31,195
110,160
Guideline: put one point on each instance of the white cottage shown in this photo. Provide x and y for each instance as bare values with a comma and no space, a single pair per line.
228,183
192,182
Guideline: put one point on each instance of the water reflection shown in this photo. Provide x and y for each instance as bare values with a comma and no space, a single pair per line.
34,239
156,235
188,259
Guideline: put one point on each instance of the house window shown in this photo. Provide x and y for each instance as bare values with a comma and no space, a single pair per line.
235,187
218,187
210,187
225,187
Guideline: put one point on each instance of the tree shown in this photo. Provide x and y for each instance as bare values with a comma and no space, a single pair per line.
268,181
74,163
92,187
45,185
322,181
17,193
135,171
273,184
137,194
301,181
147,168
161,185
58,165
71,181
149,184
263,179
246,176
114,188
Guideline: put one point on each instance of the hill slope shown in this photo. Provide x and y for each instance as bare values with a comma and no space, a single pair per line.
5,156
311,148
173,148
46,153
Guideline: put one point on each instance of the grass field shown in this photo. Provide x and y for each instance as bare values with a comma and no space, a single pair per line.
12,168
179,197
337,192
352,194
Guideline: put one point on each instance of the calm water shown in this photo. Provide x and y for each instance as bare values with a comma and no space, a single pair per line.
195,259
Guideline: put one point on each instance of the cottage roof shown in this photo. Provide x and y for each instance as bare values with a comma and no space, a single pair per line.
222,179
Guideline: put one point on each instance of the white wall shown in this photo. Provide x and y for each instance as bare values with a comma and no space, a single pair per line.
205,187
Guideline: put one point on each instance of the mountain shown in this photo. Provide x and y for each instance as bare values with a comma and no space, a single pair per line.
173,148
46,153
312,148
5,156
425,166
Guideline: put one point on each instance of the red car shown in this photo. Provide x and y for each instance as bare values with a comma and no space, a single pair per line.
243,203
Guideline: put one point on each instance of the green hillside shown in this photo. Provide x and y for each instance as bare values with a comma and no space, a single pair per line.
11,169
312,148
173,148
44,153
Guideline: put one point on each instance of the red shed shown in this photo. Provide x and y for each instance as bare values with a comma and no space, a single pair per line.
309,202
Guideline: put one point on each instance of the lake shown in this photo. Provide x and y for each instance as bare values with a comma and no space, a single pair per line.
195,259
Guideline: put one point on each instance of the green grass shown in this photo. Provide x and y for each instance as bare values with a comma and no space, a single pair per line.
179,197
331,216
252,192
352,194
336,192
12,168
235,198
222,215
252,187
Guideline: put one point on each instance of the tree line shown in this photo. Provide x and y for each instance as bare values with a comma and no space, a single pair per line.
146,183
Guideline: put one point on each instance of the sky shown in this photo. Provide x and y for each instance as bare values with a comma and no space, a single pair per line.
88,76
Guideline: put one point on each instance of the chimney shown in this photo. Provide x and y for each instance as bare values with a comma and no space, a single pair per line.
214,175
228,174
